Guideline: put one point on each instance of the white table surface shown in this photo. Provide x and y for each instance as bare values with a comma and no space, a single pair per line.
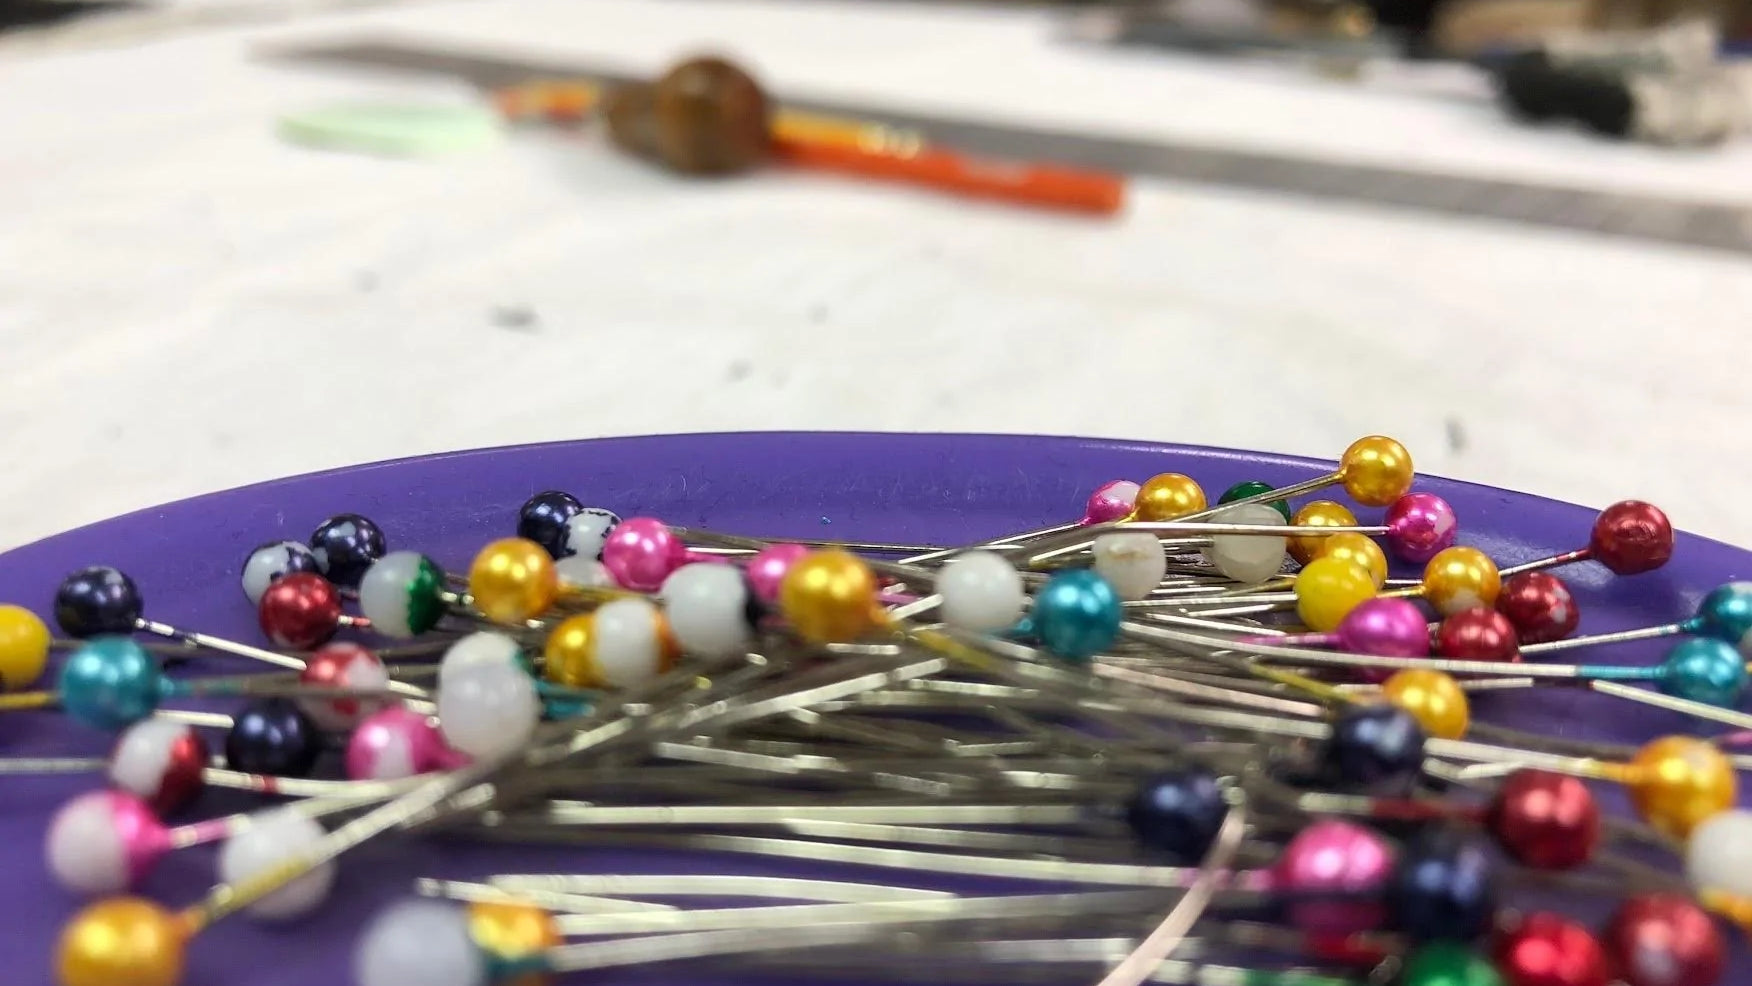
189,304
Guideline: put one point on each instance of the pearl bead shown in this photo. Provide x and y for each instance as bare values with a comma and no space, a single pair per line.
543,517
342,665
1677,782
831,596
1376,470
1318,513
1461,578
512,580
1718,855
588,531
627,643
101,842
1168,496
124,940
514,932
1247,558
345,546
24,647
1077,614
270,839
1132,562
1335,858
1360,549
981,591
159,761
579,572
484,647
1545,820
707,608
396,743
400,594
1433,698
1178,814
268,563
419,943
272,736
109,683
488,710
1327,589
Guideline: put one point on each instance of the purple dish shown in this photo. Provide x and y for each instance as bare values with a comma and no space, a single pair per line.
945,489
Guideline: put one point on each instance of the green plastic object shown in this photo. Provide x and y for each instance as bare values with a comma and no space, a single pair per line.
394,130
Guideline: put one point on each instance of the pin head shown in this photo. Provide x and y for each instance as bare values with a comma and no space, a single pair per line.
704,116
625,642
1318,513
1076,614
767,569
1333,857
1705,670
342,664
273,736
1168,496
1676,782
110,682
512,932
1251,488
1327,589
981,591
402,594
418,941
345,545
97,600
1178,814
161,762
271,839
271,562
513,580
300,611
543,517
1444,886
394,743
1433,698
1726,614
1547,949
1112,501
1540,606
707,608
587,532
1384,627
1631,537
24,648
831,597
1460,578
1375,470
103,842
1419,525
1446,963
1546,820
641,552
1361,549
1663,939
1477,634
1374,744
1718,856
1246,558
121,941
487,709
1133,562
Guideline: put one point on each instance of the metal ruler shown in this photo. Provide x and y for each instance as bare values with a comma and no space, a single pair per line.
1718,226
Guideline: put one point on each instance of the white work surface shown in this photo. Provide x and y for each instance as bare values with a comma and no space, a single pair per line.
188,304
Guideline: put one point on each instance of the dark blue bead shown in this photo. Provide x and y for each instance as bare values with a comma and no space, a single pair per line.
1178,814
543,520
345,546
1375,744
273,736
97,600
1443,887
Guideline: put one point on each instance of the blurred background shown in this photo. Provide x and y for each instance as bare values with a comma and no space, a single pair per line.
251,238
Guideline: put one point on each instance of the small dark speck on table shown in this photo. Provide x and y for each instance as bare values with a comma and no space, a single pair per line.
1456,435
365,281
518,318
817,314
738,370
826,520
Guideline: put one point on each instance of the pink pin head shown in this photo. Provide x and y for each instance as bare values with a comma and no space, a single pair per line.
1419,525
766,570
395,743
1345,864
104,842
1384,628
1111,501
160,762
641,552
342,664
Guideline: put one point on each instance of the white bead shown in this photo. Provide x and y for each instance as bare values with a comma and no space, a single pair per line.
1133,562
383,592
587,531
85,852
270,562
476,649
981,592
626,646
419,943
1247,558
1719,853
578,572
488,710
707,608
142,755
269,839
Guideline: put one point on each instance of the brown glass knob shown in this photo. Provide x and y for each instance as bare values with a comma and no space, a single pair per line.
704,116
